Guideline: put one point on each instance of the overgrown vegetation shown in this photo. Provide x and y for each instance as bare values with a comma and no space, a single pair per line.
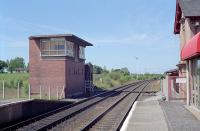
15,71
104,78
12,80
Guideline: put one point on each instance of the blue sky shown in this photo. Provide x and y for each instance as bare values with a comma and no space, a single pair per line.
120,30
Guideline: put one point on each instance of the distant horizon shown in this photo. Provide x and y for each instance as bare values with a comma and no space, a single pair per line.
26,63
119,32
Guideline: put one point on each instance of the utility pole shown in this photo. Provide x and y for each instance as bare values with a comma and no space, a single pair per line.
137,58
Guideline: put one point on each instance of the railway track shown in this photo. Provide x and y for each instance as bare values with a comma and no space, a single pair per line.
113,117
50,119
106,115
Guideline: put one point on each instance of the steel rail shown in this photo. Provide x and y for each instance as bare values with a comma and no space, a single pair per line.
99,117
31,120
82,118
56,122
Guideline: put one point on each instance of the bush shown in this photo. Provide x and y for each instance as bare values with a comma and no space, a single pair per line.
115,75
25,87
11,80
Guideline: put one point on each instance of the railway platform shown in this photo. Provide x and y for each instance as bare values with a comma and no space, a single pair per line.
12,101
151,114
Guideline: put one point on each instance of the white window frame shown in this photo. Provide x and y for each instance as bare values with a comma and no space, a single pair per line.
81,56
49,50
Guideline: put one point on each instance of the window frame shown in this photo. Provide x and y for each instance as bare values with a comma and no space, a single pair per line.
81,56
49,50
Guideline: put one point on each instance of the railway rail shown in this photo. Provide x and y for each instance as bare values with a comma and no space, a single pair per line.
113,117
83,115
107,115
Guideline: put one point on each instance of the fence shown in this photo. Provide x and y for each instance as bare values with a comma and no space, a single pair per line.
45,92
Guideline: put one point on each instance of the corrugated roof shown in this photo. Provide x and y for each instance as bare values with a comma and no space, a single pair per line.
72,37
190,8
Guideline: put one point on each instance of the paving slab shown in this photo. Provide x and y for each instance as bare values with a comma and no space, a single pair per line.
178,117
147,116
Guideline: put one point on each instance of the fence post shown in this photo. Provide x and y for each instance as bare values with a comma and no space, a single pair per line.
57,93
62,93
29,91
49,93
3,90
18,90
40,92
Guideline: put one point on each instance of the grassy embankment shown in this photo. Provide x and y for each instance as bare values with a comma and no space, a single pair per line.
110,80
106,80
11,82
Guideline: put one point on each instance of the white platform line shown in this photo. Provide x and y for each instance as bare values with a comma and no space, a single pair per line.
15,102
126,122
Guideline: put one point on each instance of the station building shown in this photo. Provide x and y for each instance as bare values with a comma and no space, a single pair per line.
170,87
187,25
57,62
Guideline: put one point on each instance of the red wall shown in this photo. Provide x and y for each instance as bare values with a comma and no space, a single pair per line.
182,86
54,72
75,77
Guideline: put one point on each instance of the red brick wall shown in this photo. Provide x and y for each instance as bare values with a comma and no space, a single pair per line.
75,79
54,72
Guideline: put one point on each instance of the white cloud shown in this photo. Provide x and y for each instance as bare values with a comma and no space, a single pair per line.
6,41
24,27
27,26
140,39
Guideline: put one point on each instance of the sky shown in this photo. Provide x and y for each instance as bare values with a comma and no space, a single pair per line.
120,30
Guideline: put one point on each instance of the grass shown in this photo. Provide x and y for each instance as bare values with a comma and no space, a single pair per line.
155,85
106,80
11,82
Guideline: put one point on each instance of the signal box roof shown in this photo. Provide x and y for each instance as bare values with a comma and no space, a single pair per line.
69,37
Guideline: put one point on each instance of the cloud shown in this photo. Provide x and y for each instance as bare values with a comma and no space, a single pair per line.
27,26
41,27
134,39
22,29
6,41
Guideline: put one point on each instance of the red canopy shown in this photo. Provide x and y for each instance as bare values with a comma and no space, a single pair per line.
191,48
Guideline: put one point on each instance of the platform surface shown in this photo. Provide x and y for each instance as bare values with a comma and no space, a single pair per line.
147,116
154,115
10,101
178,117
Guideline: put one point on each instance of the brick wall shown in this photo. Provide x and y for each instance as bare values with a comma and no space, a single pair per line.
54,72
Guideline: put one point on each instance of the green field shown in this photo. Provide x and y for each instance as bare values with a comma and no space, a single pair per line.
109,81
105,80
11,83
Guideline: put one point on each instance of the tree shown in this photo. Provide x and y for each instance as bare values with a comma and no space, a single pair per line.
105,70
125,71
27,67
15,64
3,65
115,75
97,69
